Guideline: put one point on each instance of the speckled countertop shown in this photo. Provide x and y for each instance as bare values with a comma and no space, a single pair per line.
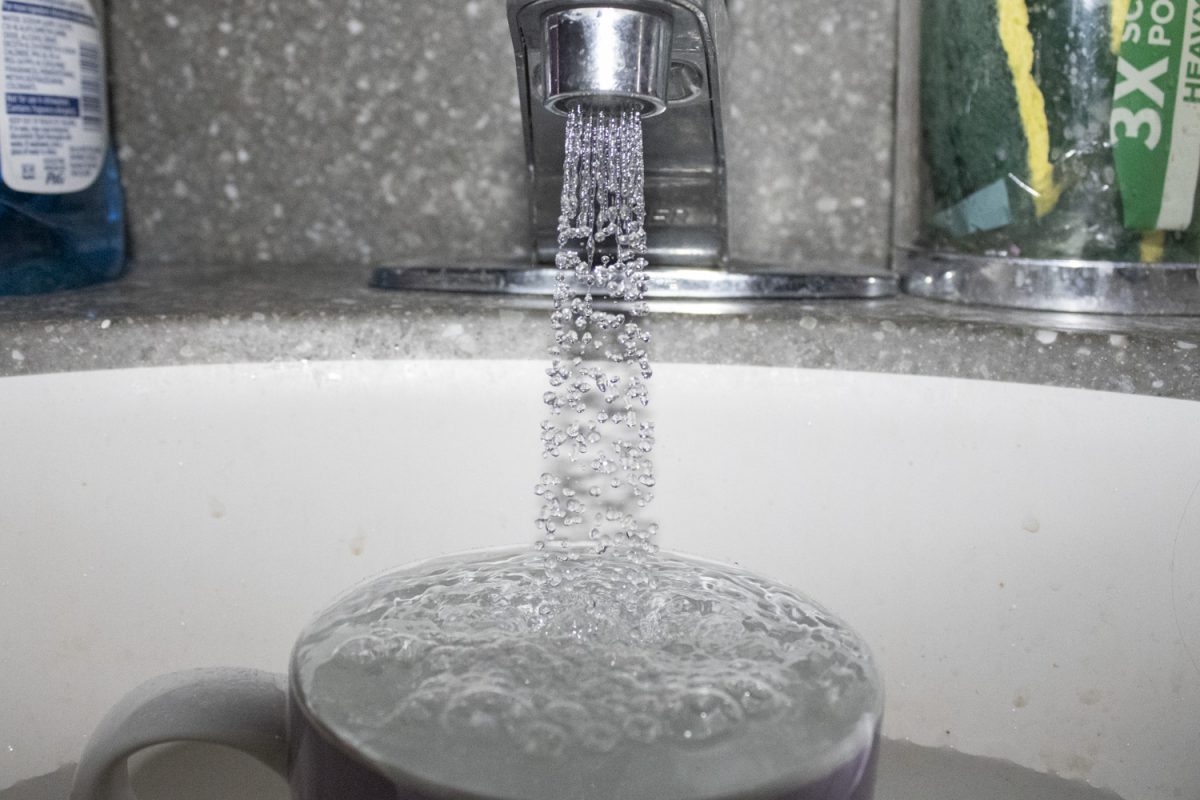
159,316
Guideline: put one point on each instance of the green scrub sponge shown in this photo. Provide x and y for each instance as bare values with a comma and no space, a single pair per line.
1015,103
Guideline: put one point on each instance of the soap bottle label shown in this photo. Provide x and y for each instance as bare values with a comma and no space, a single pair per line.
53,119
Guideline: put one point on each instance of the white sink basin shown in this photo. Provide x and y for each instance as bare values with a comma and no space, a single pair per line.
1024,560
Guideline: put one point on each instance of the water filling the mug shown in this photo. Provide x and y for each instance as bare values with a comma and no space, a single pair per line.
599,678
593,667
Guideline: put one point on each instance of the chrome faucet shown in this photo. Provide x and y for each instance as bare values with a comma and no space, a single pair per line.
650,54
665,58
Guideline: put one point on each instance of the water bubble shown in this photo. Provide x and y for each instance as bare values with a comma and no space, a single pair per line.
756,696
422,705
719,630
566,713
542,739
641,728
699,715
362,651
485,711
600,737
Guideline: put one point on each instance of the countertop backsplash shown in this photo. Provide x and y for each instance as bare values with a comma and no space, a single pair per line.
273,151
366,131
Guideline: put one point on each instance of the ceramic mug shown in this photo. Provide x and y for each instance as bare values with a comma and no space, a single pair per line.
273,718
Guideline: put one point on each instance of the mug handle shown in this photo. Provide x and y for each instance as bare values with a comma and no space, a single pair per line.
240,708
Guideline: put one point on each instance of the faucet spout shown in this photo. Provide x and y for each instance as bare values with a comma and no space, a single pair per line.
660,57
607,57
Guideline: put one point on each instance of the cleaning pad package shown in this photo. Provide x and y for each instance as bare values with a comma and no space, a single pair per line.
1054,131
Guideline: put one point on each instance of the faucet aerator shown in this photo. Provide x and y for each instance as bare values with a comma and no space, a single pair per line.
607,57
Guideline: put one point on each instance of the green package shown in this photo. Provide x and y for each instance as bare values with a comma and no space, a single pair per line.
1017,109
1155,123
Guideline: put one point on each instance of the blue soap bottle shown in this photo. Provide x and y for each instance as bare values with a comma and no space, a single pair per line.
61,204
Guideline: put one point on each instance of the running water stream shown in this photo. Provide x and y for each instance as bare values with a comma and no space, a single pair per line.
597,437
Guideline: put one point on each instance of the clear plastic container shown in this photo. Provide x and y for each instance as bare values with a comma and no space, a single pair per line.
1046,145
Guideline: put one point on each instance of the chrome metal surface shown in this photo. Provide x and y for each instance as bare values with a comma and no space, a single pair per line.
611,57
1102,287
686,222
660,54
664,284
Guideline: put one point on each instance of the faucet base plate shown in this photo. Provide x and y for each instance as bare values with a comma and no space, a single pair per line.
1101,287
664,283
